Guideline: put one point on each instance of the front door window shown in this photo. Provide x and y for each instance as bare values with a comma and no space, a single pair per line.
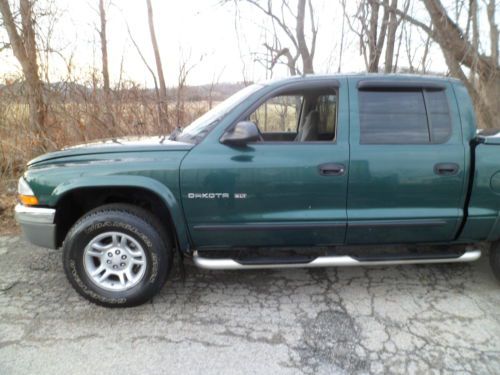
310,116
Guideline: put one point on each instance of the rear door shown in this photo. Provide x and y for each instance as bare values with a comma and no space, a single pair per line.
407,167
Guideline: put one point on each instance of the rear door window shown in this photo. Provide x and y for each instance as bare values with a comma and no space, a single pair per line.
403,117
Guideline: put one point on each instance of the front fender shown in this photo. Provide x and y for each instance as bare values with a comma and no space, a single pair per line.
162,191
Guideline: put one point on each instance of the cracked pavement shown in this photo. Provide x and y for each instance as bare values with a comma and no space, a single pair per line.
442,319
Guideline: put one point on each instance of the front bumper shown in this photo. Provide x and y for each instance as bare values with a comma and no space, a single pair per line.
38,225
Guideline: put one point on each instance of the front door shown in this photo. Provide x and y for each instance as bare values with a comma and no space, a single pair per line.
407,176
289,189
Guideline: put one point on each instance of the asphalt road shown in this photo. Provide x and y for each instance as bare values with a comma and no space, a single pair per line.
411,320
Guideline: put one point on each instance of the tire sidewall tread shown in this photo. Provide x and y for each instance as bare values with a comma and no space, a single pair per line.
134,221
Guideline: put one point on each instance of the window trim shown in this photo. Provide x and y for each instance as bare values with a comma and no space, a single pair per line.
427,116
405,86
388,84
331,84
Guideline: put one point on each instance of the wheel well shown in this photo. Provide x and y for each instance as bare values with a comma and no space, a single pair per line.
76,203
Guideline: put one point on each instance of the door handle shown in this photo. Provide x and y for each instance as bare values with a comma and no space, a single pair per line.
331,169
446,169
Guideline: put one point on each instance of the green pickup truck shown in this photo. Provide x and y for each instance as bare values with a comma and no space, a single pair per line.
308,171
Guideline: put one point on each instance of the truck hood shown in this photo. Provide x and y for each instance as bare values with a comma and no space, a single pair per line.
129,144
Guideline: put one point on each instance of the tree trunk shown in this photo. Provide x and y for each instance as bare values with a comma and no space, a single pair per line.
457,51
372,36
376,37
490,91
391,38
109,118
104,49
493,31
161,79
307,59
25,50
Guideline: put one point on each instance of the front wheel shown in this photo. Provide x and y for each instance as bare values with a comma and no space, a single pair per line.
117,256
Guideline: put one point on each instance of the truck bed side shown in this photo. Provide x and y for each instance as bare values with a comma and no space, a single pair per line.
483,203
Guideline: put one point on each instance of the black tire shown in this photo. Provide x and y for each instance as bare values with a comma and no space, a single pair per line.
134,222
495,259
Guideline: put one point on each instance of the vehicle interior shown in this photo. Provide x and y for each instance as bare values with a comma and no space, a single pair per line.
305,116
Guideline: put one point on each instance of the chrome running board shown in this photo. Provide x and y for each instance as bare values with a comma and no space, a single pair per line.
329,261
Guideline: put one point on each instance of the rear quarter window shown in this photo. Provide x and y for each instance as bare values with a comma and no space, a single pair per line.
439,115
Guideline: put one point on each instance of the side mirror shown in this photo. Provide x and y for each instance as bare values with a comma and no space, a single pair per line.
241,134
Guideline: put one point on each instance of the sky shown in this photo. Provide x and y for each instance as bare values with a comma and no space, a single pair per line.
203,33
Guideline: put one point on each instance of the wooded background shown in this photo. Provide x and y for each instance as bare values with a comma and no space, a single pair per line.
37,115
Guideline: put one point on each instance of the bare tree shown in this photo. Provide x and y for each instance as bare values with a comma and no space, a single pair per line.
185,67
109,118
370,31
391,38
493,30
215,82
376,26
159,68
425,54
376,37
155,80
104,49
296,43
462,51
306,54
411,51
23,43
341,49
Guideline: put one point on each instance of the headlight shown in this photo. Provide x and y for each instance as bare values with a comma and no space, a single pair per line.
25,194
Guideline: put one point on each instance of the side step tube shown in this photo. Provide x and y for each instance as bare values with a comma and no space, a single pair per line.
328,261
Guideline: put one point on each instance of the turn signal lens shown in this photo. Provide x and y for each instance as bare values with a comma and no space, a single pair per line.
28,200
25,194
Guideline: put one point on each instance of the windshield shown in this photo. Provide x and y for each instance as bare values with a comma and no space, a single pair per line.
198,129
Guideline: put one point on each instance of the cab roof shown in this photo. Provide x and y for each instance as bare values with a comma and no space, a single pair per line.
368,76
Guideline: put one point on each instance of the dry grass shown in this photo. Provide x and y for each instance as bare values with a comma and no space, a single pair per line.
7,203
70,122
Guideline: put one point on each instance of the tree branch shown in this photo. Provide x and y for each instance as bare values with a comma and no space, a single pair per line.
270,13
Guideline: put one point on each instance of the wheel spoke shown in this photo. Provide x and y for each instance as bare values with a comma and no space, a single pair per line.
97,271
135,253
121,276
104,276
129,275
100,247
116,241
123,242
94,252
138,261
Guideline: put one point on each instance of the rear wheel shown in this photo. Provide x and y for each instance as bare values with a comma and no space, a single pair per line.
495,259
117,256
